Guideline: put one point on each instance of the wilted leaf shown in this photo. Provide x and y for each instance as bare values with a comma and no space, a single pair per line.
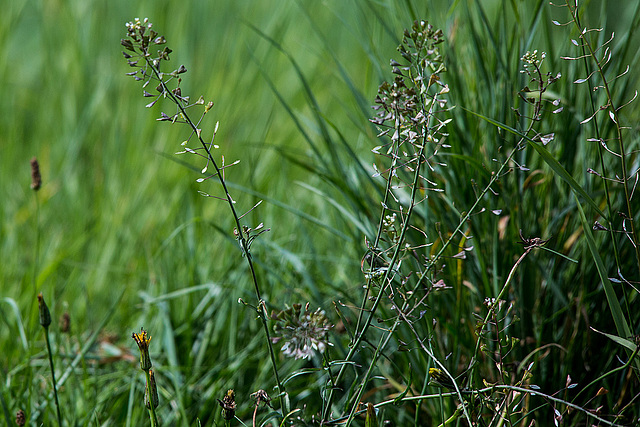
371,419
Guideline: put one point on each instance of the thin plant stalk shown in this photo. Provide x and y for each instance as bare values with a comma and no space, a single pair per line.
241,234
153,417
53,376
45,321
496,301
143,339
244,244
36,249
36,183
614,115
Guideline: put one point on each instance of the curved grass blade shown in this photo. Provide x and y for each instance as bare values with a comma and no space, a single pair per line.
612,299
549,160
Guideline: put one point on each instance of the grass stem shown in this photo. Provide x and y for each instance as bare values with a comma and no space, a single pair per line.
53,375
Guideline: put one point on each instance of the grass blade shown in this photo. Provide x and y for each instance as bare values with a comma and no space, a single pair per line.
549,160
612,299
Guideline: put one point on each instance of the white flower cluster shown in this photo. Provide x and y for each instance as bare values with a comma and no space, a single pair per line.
136,25
531,59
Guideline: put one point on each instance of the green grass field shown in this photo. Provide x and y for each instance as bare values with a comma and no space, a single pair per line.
120,239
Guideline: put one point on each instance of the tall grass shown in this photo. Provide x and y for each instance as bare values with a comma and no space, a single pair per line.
127,240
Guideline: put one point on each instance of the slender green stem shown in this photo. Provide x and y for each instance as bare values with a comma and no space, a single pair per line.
497,299
601,156
614,115
53,375
152,410
385,201
242,239
36,264
387,278
36,250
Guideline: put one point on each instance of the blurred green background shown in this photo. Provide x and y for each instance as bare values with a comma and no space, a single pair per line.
119,214
111,198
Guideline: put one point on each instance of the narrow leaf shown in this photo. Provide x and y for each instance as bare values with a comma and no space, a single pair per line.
612,299
618,340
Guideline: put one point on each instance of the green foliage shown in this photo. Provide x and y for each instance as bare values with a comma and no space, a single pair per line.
484,251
